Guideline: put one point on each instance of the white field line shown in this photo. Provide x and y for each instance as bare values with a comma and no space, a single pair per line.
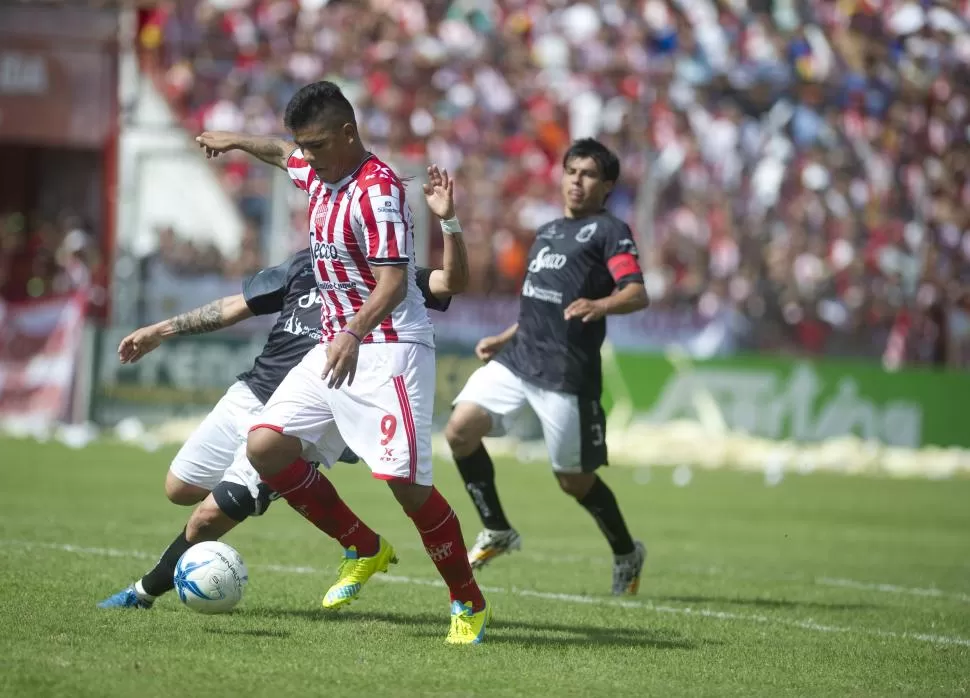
931,592
807,624
572,558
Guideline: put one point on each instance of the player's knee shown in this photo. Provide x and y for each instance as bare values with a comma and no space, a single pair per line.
466,428
233,500
409,495
576,484
269,451
182,493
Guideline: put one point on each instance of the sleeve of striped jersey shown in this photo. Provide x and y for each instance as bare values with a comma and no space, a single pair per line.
620,254
299,171
384,219
264,291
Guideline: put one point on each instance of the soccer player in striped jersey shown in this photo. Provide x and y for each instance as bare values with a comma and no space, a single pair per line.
211,468
371,382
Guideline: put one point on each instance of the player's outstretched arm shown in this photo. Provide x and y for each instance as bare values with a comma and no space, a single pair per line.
273,151
452,278
213,316
488,347
629,299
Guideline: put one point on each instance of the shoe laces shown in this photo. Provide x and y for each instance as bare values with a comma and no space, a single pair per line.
461,621
347,567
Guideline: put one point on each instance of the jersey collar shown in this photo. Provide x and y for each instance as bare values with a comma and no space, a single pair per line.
336,186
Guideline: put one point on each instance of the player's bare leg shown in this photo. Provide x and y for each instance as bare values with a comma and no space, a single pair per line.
183,493
596,497
468,425
441,535
277,459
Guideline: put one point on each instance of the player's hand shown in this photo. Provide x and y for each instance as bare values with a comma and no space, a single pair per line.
139,343
440,193
341,360
215,143
488,347
586,310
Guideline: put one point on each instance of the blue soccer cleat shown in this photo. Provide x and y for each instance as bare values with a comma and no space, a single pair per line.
126,598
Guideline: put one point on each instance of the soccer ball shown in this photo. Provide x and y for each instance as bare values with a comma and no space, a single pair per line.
210,577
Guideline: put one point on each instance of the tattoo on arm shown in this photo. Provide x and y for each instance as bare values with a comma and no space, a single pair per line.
208,318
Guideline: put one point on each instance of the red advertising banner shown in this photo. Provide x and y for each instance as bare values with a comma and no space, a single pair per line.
57,75
39,346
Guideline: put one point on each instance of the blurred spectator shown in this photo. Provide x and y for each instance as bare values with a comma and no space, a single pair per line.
40,258
182,257
803,162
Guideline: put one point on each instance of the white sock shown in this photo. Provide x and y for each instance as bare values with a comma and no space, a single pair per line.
142,594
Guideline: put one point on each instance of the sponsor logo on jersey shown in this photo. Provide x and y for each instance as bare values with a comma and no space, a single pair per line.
551,232
310,299
546,295
295,327
325,250
547,259
387,211
338,286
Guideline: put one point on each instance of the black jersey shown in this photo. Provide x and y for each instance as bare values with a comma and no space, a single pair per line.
570,259
291,290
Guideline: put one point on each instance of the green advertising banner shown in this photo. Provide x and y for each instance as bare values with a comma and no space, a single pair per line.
805,401
775,398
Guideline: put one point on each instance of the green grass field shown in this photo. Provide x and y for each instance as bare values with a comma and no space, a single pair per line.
821,586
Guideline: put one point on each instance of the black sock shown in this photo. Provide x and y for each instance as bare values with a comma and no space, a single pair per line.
161,578
479,475
601,503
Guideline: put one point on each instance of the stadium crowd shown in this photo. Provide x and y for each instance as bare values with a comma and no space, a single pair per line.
42,257
803,162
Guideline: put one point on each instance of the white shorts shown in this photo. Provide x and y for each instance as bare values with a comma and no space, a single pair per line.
574,428
384,417
216,450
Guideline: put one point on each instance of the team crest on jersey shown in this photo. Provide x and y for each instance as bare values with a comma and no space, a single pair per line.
586,233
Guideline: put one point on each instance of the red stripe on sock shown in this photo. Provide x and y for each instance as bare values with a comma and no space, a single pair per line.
312,495
441,534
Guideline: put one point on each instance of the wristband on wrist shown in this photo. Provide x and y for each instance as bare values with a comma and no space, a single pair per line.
450,226
352,334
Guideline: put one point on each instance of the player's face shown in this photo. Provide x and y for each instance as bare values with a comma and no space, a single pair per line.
583,188
327,148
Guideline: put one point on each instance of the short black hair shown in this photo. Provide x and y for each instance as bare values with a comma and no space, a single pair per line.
605,158
318,101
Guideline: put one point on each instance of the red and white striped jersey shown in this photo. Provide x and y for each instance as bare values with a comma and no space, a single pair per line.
361,221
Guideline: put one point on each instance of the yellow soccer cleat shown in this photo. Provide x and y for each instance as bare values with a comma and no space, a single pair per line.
468,628
355,571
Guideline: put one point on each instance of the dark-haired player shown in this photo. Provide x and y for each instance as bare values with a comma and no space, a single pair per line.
371,382
582,267
211,468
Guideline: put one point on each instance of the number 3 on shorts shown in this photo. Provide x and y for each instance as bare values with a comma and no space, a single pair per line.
388,428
